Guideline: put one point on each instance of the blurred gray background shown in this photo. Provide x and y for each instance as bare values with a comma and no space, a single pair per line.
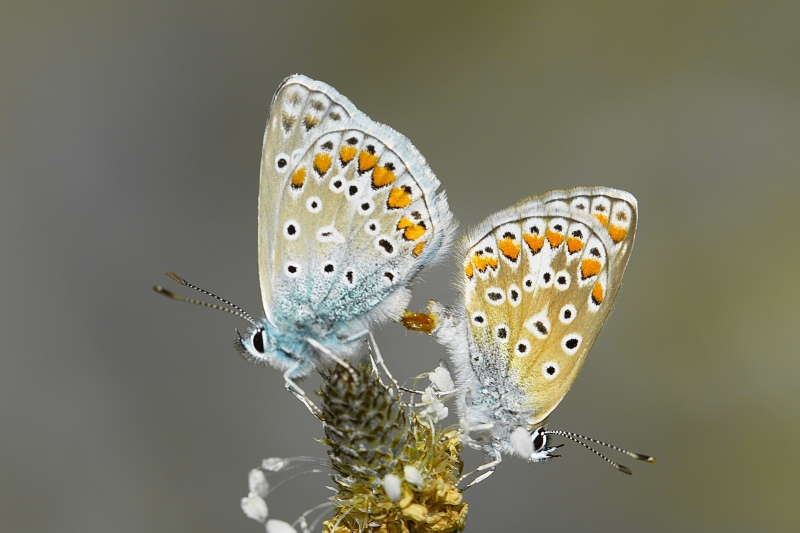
130,137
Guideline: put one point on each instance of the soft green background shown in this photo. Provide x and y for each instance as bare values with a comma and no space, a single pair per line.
130,136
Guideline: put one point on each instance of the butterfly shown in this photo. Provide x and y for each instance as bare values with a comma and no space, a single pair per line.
536,284
348,215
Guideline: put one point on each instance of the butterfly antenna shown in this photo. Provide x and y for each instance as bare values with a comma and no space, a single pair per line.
574,437
236,311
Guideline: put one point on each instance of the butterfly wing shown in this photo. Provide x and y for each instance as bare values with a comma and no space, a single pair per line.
293,124
348,212
538,281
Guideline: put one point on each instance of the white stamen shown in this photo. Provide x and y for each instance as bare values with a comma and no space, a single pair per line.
441,380
393,486
274,464
254,507
435,411
413,476
279,526
258,482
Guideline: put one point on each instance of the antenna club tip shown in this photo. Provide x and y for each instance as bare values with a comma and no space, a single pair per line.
175,277
624,469
648,458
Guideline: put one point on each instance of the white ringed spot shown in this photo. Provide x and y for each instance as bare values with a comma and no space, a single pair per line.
567,314
495,295
329,268
314,204
282,162
546,278
571,343
291,230
366,207
529,283
337,184
539,324
514,295
291,269
550,370
386,246
478,319
372,227
522,348
352,190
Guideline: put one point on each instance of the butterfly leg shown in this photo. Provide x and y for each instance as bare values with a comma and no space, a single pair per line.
338,360
375,356
489,469
300,394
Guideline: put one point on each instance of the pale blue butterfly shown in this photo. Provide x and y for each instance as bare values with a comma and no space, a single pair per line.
348,215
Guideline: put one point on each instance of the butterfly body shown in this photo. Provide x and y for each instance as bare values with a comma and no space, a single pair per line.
348,215
536,284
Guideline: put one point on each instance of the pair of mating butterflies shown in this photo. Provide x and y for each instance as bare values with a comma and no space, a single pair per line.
349,214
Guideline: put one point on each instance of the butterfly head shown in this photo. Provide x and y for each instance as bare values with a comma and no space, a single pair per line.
532,445
266,344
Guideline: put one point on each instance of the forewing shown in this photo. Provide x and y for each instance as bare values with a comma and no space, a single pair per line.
357,216
301,110
538,282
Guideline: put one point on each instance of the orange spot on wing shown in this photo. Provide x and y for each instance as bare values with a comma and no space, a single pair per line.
534,242
492,262
347,153
617,233
480,262
382,176
418,248
602,218
554,238
509,248
574,244
366,161
322,162
468,270
597,294
399,197
412,231
299,177
590,267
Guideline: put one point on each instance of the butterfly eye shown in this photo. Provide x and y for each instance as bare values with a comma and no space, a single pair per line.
539,440
258,341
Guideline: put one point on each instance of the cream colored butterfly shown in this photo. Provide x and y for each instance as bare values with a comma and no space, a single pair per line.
536,284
